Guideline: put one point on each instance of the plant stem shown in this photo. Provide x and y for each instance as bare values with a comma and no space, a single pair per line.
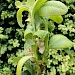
34,48
45,54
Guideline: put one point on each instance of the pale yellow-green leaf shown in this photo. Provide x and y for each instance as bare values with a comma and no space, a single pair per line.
28,34
59,41
19,16
41,34
57,19
20,64
30,3
18,4
37,5
52,8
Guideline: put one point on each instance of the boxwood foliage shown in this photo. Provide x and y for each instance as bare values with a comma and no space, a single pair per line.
60,62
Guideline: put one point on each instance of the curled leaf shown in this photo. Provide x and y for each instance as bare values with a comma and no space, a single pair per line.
37,5
59,42
20,64
52,8
19,15
18,4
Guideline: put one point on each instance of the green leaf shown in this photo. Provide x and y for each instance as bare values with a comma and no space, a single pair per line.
28,43
26,73
57,19
59,42
52,8
30,3
16,59
29,67
28,34
19,16
38,21
37,5
3,36
41,33
69,52
18,4
3,49
72,74
20,64
51,26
